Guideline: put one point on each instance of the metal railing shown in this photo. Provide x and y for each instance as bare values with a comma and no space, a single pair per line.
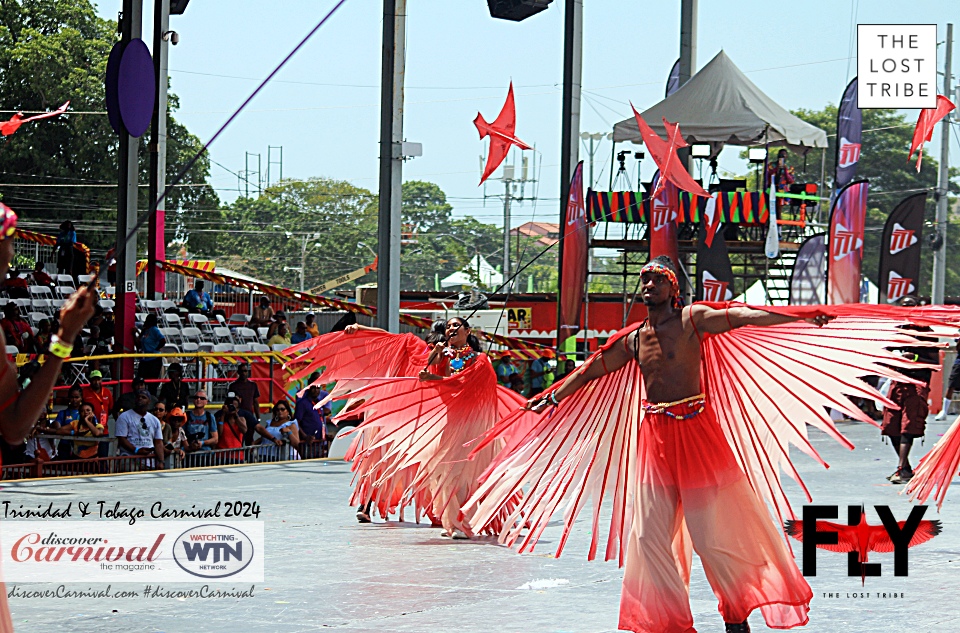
255,454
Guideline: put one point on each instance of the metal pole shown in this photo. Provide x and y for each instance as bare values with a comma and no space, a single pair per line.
507,193
570,121
131,28
391,162
943,183
156,279
688,58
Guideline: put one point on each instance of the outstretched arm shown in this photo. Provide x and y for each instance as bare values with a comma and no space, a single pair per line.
717,321
353,328
609,360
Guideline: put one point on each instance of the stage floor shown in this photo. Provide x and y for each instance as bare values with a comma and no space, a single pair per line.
326,572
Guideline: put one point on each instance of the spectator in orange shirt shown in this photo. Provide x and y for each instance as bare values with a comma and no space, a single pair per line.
98,396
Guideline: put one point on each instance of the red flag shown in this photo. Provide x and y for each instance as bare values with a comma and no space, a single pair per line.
845,244
500,133
664,154
664,210
11,125
573,265
928,118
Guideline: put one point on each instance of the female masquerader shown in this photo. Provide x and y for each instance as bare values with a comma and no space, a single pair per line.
421,406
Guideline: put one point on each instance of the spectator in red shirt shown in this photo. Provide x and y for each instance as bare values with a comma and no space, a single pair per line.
231,428
246,390
98,396
15,329
41,278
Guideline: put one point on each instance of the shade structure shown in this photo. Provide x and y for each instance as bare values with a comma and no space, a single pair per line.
720,105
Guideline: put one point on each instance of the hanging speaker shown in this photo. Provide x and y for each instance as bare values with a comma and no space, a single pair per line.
516,10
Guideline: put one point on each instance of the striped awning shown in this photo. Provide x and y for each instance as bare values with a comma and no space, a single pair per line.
737,207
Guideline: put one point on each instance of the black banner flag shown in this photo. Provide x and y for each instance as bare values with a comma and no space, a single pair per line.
900,249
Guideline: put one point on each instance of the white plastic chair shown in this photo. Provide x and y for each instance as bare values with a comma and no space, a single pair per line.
191,334
280,347
260,347
40,292
246,335
65,280
36,317
222,335
239,318
171,319
84,279
42,305
65,291
12,349
220,348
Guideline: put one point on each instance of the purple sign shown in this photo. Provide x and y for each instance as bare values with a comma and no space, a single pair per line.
136,87
112,92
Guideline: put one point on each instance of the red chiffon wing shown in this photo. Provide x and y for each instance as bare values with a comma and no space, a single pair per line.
584,450
364,353
421,432
937,468
767,383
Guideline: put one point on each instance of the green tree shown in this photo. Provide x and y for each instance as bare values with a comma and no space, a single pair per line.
53,51
886,141
318,222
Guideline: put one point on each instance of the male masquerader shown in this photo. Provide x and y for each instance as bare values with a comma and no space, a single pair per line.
690,486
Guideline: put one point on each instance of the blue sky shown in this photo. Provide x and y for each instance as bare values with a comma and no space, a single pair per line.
323,108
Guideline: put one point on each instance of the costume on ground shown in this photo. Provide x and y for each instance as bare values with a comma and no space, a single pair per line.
695,473
411,446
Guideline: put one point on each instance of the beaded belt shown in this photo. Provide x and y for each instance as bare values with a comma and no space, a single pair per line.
694,405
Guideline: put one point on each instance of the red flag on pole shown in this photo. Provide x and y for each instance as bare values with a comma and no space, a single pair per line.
13,124
573,265
928,119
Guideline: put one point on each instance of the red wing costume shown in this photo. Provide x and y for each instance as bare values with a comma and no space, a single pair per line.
412,445
693,473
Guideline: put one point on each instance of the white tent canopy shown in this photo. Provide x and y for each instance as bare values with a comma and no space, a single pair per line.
720,105
478,267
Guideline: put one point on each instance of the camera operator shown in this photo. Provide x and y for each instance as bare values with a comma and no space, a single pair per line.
231,428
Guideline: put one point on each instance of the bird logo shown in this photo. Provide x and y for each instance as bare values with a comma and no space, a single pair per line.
863,538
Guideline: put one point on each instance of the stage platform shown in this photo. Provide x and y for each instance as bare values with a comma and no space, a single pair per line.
325,572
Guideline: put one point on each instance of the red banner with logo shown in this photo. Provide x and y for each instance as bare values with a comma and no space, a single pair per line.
573,264
900,249
663,223
845,243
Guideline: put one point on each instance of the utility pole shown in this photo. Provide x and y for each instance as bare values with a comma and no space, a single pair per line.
943,183
391,163
156,241
131,28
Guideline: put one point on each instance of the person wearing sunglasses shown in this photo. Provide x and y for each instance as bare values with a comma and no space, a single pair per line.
139,432
282,429
201,430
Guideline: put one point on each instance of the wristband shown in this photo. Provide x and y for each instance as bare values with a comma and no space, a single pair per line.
553,399
58,348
